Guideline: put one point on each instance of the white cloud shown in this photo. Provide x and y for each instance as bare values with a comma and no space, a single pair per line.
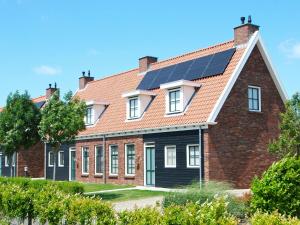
291,48
47,70
93,52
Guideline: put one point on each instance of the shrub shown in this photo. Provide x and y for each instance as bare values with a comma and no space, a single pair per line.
65,186
83,210
279,188
209,213
274,218
143,216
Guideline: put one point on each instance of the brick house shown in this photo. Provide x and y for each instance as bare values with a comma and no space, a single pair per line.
207,114
28,162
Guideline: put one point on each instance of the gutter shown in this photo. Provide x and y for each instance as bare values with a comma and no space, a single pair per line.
204,125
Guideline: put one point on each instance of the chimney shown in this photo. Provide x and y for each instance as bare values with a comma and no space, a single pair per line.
243,33
50,91
84,80
145,62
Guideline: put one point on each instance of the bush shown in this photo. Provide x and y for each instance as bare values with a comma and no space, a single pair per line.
209,213
279,188
144,216
274,218
65,186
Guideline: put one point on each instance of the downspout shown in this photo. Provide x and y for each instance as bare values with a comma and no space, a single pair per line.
104,160
200,156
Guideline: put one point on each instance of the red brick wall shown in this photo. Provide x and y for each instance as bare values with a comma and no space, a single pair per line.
34,159
138,179
236,148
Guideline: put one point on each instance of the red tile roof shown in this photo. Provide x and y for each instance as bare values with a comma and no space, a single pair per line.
35,100
111,88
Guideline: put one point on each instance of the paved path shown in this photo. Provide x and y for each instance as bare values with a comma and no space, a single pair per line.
139,203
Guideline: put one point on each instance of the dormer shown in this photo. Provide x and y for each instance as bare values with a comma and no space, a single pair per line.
137,102
178,95
94,110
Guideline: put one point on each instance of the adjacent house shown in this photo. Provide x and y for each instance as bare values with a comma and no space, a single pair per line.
204,115
30,162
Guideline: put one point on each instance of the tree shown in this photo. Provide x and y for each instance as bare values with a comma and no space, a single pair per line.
19,122
61,121
288,142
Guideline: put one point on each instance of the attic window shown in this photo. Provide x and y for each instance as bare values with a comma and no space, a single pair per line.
89,116
93,111
133,107
175,103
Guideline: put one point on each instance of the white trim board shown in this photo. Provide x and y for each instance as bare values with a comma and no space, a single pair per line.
254,40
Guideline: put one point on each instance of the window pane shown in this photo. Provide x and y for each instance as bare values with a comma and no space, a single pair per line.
255,104
170,156
194,156
130,151
51,159
253,98
99,159
133,108
85,160
114,159
61,158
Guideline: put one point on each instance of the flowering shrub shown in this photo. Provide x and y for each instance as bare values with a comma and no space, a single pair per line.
260,218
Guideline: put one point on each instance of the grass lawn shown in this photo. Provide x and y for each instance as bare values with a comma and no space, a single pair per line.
89,187
118,196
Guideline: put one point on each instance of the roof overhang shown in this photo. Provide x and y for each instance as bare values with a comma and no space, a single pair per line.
92,102
254,40
136,93
198,126
179,83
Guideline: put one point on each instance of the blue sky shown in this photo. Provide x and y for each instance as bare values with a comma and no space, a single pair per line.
43,42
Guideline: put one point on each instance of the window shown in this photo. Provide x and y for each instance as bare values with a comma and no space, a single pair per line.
254,99
113,160
6,161
193,156
174,101
133,108
85,160
89,116
170,156
129,159
51,159
99,160
61,159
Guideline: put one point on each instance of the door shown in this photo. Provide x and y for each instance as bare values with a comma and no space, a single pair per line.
150,165
72,164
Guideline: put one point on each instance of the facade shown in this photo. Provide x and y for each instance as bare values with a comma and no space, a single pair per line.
205,115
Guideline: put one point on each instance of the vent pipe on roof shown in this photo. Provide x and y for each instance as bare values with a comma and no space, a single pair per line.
145,62
243,33
84,80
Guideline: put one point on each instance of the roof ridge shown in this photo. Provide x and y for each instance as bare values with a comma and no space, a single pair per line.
166,60
42,96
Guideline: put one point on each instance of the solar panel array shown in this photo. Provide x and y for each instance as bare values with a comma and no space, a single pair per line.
205,66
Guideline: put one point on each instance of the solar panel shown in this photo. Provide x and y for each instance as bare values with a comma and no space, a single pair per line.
205,66
39,104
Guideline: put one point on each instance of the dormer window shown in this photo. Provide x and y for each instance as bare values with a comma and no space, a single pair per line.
89,115
133,107
178,95
137,103
174,101
94,111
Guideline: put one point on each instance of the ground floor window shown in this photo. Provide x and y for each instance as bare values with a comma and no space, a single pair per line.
13,158
99,160
193,156
61,159
170,156
85,160
113,159
130,159
50,159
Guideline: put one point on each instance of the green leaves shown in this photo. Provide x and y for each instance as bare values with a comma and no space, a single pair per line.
288,142
61,120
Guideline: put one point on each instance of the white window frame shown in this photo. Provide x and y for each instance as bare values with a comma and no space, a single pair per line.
166,161
88,161
126,146
95,151
49,161
110,173
89,123
61,165
259,98
6,164
137,108
188,155
168,101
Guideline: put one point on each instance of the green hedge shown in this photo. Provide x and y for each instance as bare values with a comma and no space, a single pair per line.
279,188
275,218
65,186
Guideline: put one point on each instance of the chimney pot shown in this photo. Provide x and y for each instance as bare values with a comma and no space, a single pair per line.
84,80
89,73
50,90
83,73
243,33
145,62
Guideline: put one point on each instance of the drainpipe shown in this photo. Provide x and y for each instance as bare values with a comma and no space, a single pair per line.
200,156
104,160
